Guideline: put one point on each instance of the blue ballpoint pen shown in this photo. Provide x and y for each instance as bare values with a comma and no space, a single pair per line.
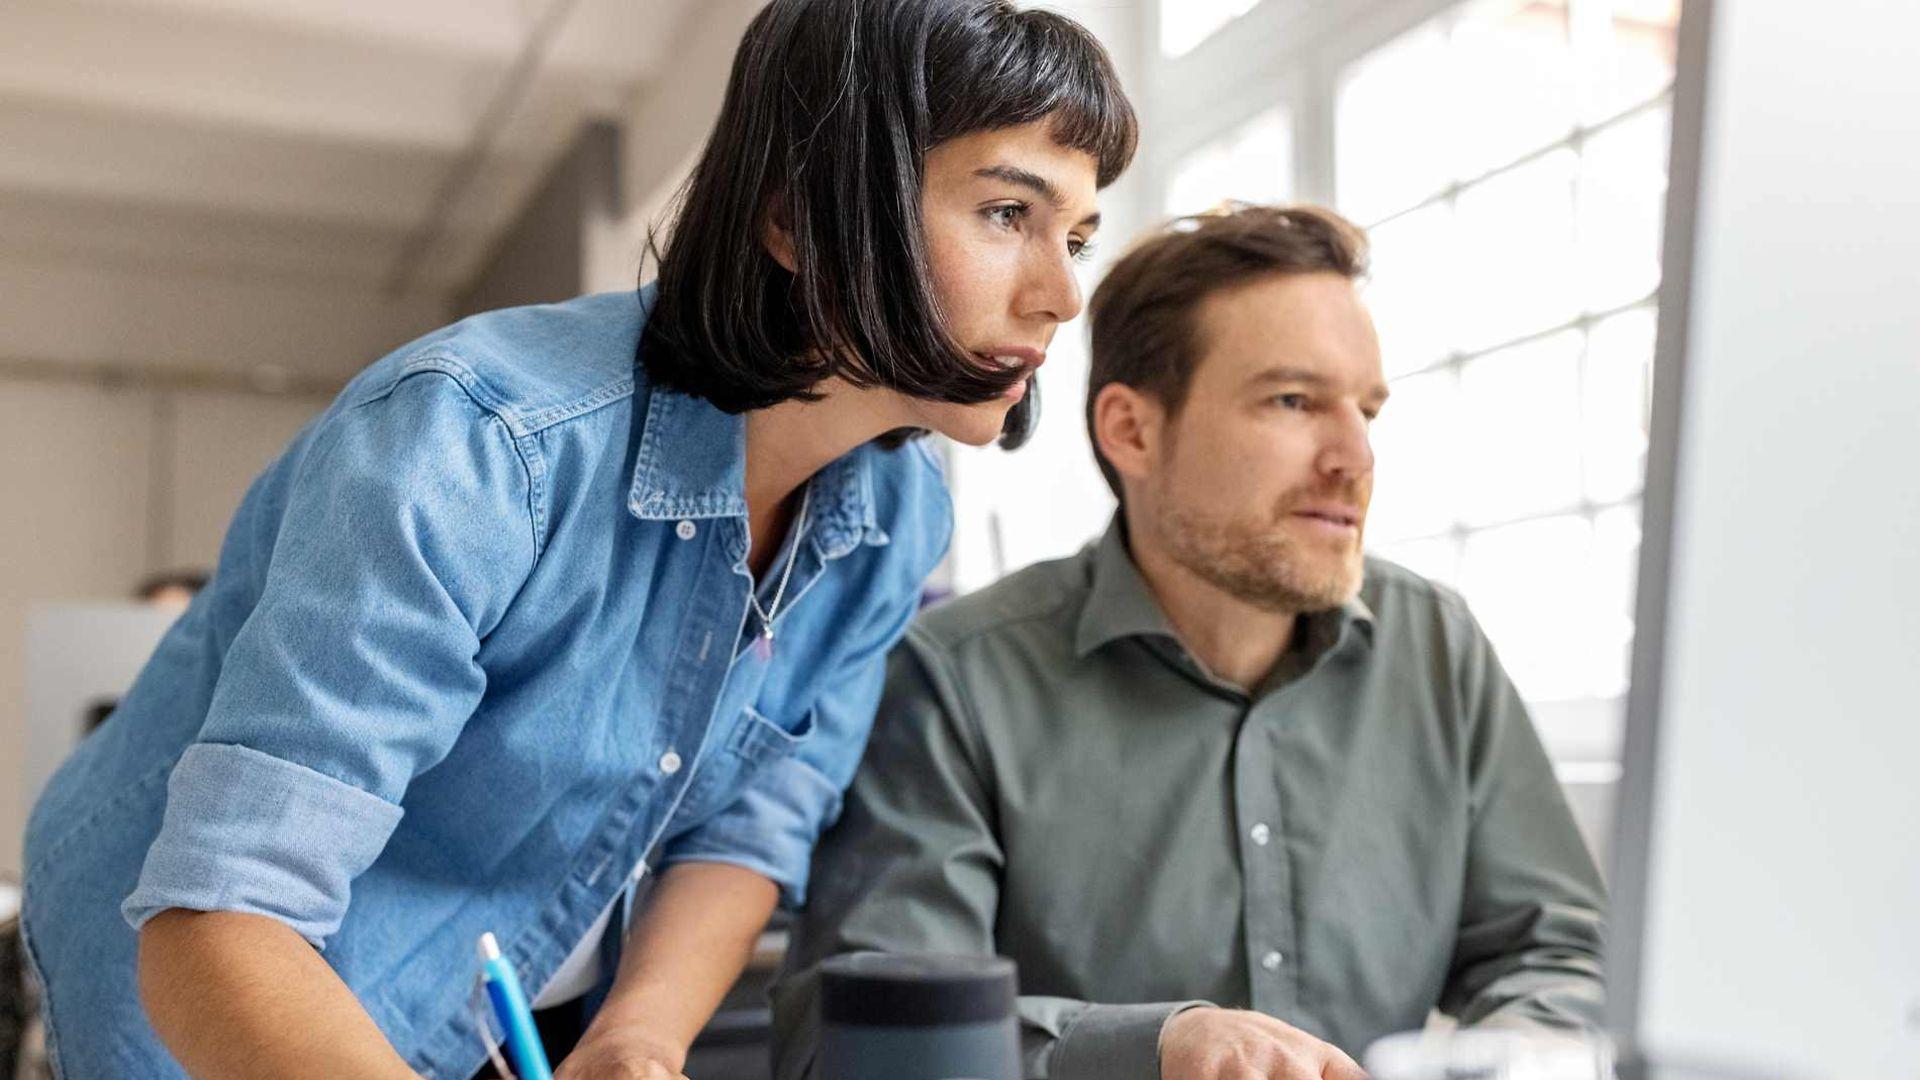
524,1048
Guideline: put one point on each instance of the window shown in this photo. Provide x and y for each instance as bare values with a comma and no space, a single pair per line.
1254,163
1510,159
1186,23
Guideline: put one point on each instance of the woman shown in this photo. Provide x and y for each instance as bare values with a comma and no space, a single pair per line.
519,622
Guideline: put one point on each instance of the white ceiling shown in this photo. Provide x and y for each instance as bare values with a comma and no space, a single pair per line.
308,139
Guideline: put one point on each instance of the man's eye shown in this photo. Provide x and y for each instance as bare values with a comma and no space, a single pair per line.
1290,401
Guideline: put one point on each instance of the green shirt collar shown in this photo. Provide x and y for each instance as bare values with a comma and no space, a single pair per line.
1119,604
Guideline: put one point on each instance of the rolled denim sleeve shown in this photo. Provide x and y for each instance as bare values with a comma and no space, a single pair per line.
407,529
770,827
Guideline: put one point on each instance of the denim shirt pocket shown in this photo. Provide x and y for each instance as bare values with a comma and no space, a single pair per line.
758,740
753,743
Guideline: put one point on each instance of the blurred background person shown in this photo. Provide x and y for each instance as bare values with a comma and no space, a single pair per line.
171,589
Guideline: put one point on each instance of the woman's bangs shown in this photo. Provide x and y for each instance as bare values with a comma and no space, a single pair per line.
1034,65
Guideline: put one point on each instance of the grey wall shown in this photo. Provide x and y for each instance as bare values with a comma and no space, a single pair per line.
104,485
543,257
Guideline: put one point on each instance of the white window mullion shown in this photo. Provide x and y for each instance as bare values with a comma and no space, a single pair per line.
1313,135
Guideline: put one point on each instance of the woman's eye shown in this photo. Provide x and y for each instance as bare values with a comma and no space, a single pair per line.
1080,250
1006,216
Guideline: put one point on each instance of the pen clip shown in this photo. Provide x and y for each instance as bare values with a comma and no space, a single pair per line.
477,1004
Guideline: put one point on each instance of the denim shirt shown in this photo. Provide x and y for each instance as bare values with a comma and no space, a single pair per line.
479,643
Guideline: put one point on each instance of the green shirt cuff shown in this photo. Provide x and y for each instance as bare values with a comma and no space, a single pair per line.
1115,1042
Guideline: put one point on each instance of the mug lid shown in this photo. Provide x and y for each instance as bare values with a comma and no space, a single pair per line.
916,989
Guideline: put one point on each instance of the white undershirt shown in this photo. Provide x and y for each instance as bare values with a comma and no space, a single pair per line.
581,969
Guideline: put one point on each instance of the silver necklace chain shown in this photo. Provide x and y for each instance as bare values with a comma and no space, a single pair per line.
767,615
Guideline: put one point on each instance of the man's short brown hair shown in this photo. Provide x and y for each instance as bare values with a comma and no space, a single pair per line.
1144,332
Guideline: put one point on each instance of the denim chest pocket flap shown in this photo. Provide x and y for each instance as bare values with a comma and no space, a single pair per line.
759,739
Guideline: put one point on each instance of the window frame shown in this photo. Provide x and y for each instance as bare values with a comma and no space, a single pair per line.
1323,38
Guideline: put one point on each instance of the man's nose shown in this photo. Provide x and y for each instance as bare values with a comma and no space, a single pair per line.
1348,450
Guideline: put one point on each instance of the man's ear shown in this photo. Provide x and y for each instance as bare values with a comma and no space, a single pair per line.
1128,427
776,234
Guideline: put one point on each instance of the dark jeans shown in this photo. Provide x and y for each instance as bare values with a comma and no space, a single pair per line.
15,1009
560,1028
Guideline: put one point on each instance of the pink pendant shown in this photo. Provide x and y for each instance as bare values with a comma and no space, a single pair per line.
763,646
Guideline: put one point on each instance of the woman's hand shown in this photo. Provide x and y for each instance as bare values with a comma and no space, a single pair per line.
621,1052
685,949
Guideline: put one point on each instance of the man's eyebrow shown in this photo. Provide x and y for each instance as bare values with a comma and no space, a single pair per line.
1034,182
1289,375
1283,374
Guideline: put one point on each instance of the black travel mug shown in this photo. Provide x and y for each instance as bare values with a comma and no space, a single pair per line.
918,1016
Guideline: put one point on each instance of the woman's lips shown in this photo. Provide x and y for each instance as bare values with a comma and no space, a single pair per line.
1013,356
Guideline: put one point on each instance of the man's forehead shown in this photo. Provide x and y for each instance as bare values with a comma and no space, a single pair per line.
1304,328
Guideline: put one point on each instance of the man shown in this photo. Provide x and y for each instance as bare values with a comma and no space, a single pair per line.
1236,799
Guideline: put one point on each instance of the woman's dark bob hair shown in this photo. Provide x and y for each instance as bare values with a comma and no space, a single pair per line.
829,113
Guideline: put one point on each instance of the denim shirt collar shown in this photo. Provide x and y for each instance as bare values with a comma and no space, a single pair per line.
692,463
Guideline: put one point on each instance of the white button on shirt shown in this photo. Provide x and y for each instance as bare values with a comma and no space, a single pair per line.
669,763
1271,961
1261,834
686,530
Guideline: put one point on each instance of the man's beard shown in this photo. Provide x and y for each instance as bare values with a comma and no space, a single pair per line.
1260,561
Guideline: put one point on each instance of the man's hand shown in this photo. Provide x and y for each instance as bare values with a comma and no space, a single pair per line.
1234,1044
616,1052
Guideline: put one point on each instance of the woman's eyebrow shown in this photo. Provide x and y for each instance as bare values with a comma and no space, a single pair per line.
1034,182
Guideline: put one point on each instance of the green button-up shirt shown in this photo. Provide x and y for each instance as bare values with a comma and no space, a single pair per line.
1375,833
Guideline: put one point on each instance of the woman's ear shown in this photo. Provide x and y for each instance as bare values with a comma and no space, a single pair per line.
776,234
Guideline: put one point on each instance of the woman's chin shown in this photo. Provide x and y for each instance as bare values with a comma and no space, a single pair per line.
975,435
978,425
969,425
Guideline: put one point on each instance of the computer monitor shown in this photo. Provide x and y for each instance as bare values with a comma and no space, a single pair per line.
1767,854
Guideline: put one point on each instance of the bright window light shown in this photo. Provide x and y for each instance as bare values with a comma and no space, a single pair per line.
1254,163
1510,157
1186,23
